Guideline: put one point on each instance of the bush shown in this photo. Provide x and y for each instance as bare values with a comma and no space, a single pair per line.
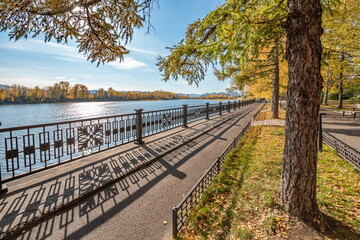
333,96
355,100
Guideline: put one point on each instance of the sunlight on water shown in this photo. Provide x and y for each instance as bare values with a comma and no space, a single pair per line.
30,114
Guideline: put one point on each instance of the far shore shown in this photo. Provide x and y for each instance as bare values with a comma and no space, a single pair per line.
140,100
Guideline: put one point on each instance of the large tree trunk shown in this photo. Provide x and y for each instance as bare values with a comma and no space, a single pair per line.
303,53
275,91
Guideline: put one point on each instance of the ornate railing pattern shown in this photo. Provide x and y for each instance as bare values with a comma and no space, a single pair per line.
158,121
28,149
181,212
342,149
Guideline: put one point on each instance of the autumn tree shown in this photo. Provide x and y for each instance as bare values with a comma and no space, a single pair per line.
303,53
234,38
341,42
263,86
79,92
302,24
3,95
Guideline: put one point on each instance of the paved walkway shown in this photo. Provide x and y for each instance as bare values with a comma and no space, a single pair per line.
345,128
270,122
102,197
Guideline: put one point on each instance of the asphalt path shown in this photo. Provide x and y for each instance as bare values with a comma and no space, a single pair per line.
345,128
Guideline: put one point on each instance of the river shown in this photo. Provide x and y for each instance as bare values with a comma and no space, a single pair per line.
28,114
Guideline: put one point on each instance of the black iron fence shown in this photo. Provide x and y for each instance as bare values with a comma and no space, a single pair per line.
342,149
29,149
181,212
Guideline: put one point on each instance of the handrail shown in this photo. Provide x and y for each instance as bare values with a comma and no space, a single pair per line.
28,149
342,149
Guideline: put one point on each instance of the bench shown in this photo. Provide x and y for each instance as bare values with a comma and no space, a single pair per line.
356,110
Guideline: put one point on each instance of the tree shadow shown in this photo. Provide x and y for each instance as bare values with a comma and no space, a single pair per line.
336,229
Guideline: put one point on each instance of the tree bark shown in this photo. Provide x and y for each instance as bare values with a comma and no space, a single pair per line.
303,53
275,91
340,101
326,93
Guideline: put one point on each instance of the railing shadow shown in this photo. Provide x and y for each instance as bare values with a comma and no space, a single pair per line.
29,202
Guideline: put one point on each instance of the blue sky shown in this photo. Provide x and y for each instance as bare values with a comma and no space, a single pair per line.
35,63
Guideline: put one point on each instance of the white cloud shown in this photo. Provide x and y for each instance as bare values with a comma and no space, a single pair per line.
143,51
70,54
68,59
128,64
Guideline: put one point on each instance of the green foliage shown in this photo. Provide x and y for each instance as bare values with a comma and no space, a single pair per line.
100,27
231,36
333,96
341,56
355,99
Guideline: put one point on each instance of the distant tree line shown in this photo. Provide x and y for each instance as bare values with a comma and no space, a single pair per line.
218,96
64,92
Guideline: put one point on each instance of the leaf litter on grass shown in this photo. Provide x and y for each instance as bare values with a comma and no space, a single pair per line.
242,202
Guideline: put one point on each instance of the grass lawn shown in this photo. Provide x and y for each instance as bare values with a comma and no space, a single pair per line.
332,104
242,201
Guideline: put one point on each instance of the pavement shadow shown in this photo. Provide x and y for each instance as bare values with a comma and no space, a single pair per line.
116,178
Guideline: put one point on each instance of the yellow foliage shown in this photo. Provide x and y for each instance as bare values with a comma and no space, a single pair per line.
262,88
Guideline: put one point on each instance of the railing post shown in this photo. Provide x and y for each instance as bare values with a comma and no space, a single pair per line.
139,126
174,222
235,105
220,104
185,113
3,187
207,111
229,106
218,163
320,137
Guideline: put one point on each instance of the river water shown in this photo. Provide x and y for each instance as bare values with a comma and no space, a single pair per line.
29,114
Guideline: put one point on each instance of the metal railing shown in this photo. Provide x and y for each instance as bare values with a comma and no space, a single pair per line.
342,149
181,212
29,149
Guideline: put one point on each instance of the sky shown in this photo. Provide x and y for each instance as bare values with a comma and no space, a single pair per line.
35,63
